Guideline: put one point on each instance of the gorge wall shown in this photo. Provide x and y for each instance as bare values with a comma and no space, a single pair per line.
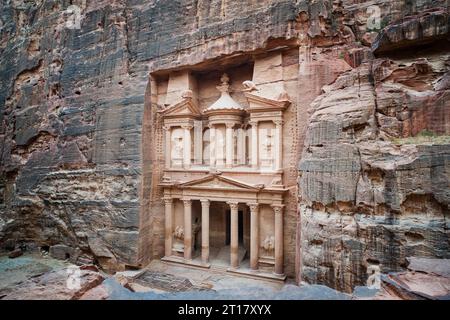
76,124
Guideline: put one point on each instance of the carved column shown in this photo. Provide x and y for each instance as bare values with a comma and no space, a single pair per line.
212,146
278,144
240,146
187,229
254,157
205,230
278,210
167,150
220,143
187,146
229,144
168,202
198,142
254,235
234,245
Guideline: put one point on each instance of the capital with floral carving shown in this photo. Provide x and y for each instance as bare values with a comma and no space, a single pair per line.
277,208
253,207
187,126
278,122
233,205
205,203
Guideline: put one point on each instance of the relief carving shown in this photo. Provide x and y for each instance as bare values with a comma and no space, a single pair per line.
268,245
179,233
177,150
283,96
267,148
249,86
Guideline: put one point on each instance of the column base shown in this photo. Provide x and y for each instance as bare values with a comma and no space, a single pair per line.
279,275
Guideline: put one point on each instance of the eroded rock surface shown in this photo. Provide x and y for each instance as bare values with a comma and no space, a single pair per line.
425,279
32,277
367,197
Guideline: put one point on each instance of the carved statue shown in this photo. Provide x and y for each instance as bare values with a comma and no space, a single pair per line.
249,86
277,182
267,144
178,148
224,86
179,233
269,244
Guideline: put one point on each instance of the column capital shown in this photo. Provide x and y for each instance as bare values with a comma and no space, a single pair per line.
253,207
253,123
166,127
278,122
277,208
205,202
168,201
233,205
186,202
229,125
187,126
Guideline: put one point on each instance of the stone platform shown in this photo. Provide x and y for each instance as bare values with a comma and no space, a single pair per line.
220,262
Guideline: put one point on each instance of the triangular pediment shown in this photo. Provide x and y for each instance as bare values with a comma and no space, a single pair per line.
184,108
257,102
217,181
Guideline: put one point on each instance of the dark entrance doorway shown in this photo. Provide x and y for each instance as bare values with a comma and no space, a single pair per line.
240,227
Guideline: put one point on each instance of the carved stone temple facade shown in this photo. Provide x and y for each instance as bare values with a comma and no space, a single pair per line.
227,142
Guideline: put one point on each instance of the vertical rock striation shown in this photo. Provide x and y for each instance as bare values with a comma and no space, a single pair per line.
373,189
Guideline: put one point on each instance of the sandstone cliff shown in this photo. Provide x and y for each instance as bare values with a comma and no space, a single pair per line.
76,124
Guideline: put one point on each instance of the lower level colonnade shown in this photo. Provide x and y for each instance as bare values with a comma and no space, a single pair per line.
234,236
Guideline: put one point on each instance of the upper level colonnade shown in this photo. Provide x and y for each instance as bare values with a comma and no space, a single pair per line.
225,135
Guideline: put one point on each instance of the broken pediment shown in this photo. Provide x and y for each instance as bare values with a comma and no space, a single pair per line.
185,108
260,103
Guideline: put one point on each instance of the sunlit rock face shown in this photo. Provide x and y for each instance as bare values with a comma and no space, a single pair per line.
78,137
